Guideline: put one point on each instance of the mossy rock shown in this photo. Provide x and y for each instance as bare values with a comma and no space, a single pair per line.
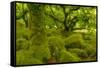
26,58
41,52
91,48
66,56
23,33
75,41
56,41
55,44
53,32
20,23
67,33
91,51
79,52
22,43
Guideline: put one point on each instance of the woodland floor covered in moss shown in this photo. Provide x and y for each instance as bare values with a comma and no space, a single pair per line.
48,34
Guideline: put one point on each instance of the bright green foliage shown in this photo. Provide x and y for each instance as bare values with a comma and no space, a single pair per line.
54,33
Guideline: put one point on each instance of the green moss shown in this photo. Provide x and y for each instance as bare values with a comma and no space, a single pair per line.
55,44
23,33
66,56
56,41
46,34
75,41
41,52
91,51
53,32
79,52
25,57
22,43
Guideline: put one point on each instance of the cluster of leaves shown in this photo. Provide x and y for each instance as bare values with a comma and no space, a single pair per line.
54,33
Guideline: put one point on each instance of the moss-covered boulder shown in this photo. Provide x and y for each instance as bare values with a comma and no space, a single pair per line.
91,51
25,57
74,41
22,43
56,41
23,33
79,52
41,52
66,56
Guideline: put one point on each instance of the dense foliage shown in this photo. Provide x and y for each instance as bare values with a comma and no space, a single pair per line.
54,33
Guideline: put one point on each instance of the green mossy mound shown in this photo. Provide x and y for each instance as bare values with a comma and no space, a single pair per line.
56,41
79,52
23,33
66,56
41,52
75,41
91,51
22,44
26,58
